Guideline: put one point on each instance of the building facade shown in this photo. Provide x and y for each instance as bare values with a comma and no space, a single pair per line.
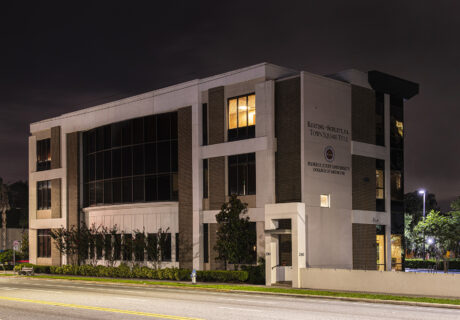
318,160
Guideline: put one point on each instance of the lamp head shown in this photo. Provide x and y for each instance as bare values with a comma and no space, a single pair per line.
421,191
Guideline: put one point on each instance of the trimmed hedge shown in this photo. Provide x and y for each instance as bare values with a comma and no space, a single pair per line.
251,274
124,271
427,264
37,268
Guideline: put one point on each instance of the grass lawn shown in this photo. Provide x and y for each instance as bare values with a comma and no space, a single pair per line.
236,287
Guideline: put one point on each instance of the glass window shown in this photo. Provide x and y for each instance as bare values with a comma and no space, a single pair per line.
99,166
117,247
127,161
99,246
43,154
44,243
177,247
241,117
380,185
205,178
99,138
396,186
396,252
205,123
139,241
380,245
118,157
99,192
151,188
138,130
252,110
325,201
242,112
285,250
379,119
44,195
127,247
127,189
116,163
149,129
241,174
116,191
205,243
166,247
107,164
126,133
108,192
108,246
164,187
138,160
152,246
232,114
138,189
163,127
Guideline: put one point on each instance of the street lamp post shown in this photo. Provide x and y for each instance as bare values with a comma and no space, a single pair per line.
423,192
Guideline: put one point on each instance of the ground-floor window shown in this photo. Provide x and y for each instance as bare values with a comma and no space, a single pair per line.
396,252
380,245
44,243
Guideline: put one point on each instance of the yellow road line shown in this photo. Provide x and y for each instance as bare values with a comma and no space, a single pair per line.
77,306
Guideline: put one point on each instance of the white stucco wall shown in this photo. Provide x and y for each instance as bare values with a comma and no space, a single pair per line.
327,102
405,283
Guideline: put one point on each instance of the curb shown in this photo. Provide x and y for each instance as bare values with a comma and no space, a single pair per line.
279,294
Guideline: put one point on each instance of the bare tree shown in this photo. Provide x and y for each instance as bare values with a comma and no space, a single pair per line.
4,207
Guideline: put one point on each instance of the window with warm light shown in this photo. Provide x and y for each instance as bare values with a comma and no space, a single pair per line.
241,117
325,201
380,185
399,128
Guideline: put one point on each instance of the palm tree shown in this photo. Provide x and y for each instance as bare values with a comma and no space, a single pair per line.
4,207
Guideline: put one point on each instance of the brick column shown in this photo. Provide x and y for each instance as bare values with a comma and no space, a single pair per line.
73,208
55,147
184,125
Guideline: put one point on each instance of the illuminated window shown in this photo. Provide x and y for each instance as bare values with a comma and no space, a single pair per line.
43,154
241,117
325,201
379,176
396,252
380,246
380,185
232,114
400,128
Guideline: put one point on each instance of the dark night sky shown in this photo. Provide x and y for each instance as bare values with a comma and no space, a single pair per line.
59,58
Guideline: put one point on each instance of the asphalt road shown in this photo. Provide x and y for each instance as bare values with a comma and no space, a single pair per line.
26,298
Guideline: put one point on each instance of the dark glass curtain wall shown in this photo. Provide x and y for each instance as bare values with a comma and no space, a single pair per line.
131,161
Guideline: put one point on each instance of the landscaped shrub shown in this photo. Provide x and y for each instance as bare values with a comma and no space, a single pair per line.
428,264
222,276
256,274
37,268
124,271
